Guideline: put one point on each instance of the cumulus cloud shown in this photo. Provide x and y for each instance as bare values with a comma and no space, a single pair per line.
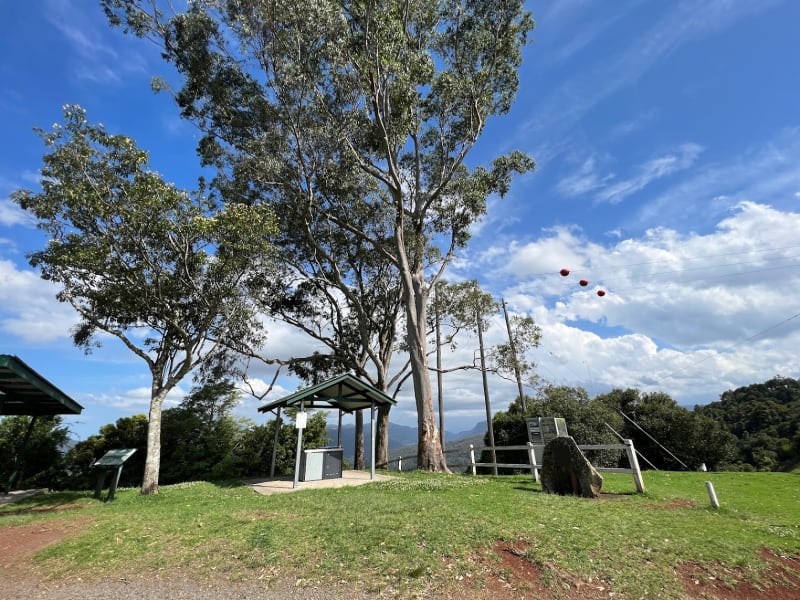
30,311
134,400
688,314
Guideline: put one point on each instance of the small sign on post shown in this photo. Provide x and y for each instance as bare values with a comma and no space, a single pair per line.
110,463
301,421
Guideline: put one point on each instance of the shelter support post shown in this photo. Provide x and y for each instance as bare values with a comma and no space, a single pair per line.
20,455
299,453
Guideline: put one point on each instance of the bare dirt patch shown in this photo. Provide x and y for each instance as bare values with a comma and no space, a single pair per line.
512,576
509,575
19,543
781,581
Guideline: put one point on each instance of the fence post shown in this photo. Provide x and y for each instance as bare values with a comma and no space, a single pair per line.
400,463
532,458
634,463
472,457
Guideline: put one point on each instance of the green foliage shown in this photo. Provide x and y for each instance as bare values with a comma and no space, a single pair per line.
508,358
199,436
42,462
171,274
353,122
585,420
201,441
464,306
765,417
133,252
670,430
126,432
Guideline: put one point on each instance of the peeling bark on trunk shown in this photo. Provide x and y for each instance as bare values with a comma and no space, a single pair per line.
430,456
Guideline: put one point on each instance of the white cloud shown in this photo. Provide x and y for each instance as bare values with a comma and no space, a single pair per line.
583,181
605,188
688,314
634,124
136,399
765,173
30,310
12,214
650,171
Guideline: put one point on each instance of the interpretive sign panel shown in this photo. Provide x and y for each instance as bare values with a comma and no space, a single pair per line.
543,429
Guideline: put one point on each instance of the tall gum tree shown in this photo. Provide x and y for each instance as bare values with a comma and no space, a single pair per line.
346,297
384,99
164,271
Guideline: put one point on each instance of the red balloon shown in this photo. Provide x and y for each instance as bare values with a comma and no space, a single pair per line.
564,272
601,293
584,282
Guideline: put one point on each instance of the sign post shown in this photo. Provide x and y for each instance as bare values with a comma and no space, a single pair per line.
110,463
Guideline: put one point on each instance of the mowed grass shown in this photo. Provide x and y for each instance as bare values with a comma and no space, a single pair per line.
426,532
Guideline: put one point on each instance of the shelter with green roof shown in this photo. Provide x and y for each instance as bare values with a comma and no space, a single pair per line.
345,393
23,391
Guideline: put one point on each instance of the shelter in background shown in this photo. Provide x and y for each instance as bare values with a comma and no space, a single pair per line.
24,392
345,393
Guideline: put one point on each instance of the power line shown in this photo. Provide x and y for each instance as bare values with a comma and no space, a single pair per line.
654,439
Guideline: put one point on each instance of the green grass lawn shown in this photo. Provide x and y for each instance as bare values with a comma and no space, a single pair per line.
424,531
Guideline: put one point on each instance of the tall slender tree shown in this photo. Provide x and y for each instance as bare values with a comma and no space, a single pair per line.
330,108
164,271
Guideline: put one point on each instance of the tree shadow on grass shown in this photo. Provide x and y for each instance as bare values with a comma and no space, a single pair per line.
47,502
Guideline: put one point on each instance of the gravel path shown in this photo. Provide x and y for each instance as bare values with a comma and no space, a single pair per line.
173,587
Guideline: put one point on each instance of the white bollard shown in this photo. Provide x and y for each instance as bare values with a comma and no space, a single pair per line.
712,494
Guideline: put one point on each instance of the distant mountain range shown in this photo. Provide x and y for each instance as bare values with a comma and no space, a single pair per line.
402,440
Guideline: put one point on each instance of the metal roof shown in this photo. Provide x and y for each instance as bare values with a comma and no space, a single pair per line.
24,392
345,392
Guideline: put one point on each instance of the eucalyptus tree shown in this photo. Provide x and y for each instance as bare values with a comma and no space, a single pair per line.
164,271
346,297
300,101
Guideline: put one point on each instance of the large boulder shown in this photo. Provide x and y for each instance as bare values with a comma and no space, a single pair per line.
566,471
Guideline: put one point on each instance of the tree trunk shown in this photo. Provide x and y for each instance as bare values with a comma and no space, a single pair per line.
152,464
430,456
358,458
382,438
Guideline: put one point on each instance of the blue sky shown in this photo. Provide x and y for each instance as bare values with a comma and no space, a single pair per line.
668,175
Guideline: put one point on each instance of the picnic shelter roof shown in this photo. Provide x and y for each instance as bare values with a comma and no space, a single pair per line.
345,392
24,392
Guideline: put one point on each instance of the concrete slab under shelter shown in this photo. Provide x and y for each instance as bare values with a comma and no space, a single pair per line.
284,484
